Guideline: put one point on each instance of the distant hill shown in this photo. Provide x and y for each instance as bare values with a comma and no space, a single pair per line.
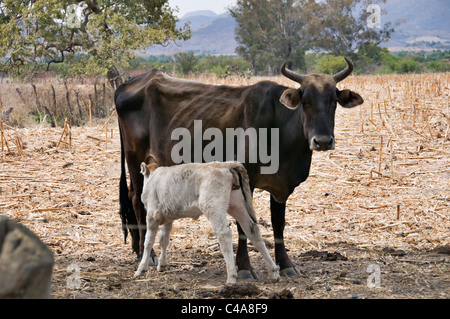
211,34
425,24
422,23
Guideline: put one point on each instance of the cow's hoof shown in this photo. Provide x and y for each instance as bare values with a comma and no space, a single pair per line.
290,272
247,274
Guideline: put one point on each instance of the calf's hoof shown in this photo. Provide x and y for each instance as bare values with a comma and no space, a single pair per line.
153,261
247,274
161,268
275,276
231,280
290,272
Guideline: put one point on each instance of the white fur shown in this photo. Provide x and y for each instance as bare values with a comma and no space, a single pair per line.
190,190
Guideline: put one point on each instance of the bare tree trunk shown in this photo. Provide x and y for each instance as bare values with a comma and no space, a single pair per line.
114,78
7,112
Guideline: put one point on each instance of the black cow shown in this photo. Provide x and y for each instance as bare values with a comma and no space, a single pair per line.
152,105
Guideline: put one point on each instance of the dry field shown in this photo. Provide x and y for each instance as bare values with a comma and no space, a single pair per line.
375,208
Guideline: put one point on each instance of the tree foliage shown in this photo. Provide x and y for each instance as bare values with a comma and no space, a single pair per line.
186,61
101,37
340,26
271,32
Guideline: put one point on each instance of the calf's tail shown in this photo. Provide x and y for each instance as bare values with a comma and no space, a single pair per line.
245,189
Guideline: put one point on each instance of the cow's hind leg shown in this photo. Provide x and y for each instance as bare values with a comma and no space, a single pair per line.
245,269
164,238
251,229
148,246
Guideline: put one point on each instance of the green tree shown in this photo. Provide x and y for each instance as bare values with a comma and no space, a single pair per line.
369,57
330,64
90,36
270,33
408,65
187,61
439,66
340,26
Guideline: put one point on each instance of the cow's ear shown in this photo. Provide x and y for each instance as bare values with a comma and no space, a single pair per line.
145,170
290,98
349,99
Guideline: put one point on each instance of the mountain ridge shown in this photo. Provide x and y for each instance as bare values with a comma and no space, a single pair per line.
422,23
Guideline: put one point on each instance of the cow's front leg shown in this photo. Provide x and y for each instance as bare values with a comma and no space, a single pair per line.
245,269
278,212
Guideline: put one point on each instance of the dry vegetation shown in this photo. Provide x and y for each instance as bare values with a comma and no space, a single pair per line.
82,100
381,198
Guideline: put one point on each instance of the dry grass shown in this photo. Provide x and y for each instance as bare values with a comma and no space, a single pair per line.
81,101
386,185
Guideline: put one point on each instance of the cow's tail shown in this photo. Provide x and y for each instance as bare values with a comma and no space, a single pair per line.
244,182
126,206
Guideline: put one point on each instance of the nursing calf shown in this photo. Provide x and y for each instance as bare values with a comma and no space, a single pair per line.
189,190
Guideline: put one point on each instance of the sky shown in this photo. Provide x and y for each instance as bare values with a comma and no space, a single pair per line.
185,6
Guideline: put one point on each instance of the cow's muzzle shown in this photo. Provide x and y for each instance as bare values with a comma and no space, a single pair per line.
322,143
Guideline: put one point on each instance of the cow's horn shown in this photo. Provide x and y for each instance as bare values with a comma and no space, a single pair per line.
291,74
345,73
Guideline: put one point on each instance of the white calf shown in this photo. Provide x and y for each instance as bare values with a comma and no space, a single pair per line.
190,190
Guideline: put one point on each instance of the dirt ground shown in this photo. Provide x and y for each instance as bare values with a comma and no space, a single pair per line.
372,220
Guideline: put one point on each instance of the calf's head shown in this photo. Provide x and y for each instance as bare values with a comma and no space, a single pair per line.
146,170
318,98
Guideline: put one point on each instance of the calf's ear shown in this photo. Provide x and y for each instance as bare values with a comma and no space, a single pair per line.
349,99
145,170
290,98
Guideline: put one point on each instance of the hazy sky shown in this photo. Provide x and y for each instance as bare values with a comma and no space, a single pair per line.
185,6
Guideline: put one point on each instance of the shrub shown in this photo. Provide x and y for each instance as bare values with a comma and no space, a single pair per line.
438,66
330,64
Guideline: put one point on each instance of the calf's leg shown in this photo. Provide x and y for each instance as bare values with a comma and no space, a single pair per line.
223,233
164,239
134,160
152,229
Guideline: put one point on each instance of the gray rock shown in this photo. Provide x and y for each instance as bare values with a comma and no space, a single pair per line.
26,263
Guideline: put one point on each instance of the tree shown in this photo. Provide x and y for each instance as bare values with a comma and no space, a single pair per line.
330,64
187,61
341,28
90,36
270,32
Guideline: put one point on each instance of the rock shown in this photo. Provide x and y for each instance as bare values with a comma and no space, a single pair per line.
285,294
26,263
445,250
324,255
239,290
393,252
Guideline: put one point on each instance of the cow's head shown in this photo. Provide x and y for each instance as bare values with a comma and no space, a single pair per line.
318,98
